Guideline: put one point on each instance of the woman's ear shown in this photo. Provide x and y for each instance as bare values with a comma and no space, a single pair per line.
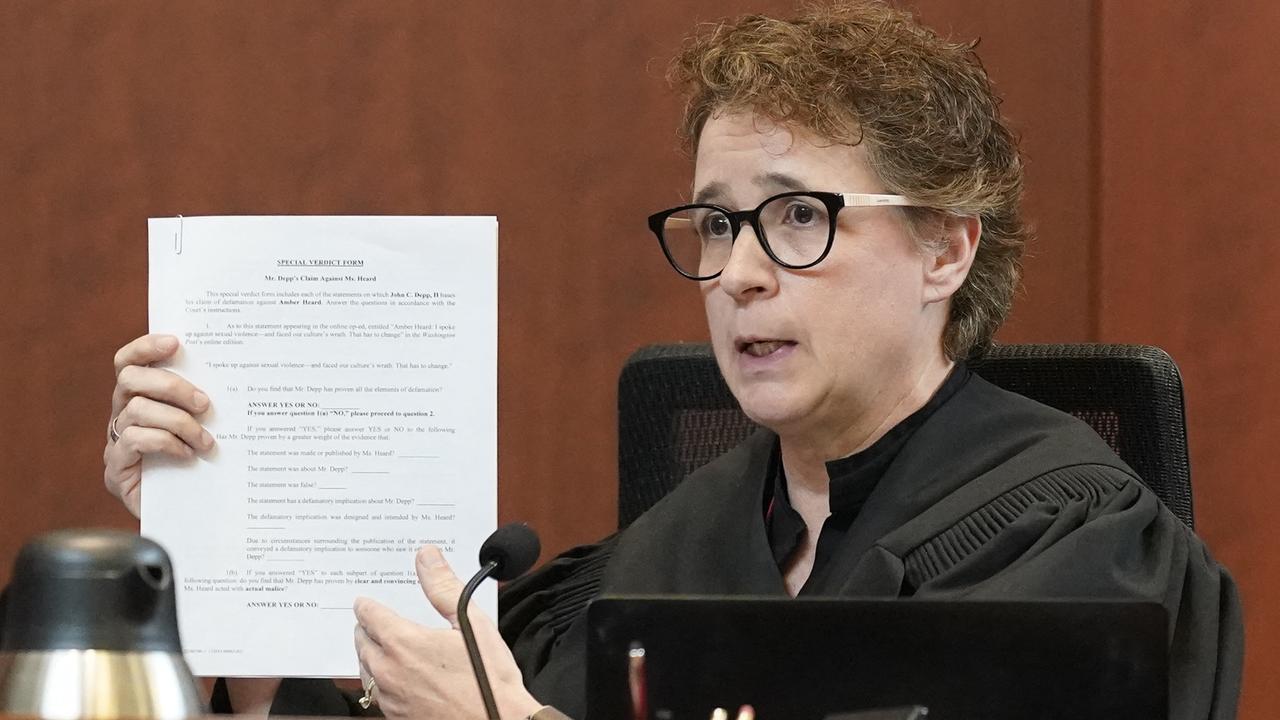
945,272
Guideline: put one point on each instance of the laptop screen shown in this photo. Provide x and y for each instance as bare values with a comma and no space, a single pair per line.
809,658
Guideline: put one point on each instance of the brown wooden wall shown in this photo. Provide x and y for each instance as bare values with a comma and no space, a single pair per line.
1149,129
1189,189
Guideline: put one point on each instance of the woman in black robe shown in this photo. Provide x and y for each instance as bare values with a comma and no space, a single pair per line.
855,229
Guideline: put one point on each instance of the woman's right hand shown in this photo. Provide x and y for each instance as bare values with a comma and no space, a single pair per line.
153,411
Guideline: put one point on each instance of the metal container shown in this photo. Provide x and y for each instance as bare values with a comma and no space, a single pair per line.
90,630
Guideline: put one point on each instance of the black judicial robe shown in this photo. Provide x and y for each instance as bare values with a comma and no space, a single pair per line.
993,496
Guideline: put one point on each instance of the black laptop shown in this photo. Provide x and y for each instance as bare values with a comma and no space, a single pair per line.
680,658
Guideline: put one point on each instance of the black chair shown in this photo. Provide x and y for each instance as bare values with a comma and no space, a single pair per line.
675,412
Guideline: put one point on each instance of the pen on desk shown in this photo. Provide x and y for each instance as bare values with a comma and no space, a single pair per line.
638,683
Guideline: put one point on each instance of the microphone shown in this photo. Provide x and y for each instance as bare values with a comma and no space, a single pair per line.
506,555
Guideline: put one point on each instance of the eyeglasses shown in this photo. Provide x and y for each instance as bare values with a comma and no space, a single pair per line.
796,229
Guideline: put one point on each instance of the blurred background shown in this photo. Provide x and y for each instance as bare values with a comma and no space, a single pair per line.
1150,131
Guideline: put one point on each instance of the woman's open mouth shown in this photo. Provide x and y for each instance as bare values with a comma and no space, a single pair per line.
762,347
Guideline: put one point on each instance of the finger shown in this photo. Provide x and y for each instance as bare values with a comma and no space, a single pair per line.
138,441
126,487
373,661
746,712
378,621
145,412
365,647
439,583
158,384
361,640
146,350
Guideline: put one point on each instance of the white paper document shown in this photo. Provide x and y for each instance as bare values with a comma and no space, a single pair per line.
351,365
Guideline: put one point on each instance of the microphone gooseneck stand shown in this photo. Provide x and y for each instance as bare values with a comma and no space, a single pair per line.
469,638
505,555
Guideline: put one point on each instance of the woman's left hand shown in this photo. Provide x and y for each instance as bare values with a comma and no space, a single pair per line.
423,672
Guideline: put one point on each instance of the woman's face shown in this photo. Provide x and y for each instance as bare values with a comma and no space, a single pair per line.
813,351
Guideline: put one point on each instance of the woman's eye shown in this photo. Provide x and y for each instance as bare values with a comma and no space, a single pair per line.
802,214
715,226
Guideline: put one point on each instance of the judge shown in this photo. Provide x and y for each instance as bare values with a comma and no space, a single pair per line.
855,230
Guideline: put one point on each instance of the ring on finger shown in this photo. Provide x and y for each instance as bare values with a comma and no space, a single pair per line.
112,432
368,700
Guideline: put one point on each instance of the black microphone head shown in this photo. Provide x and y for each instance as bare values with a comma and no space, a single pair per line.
514,547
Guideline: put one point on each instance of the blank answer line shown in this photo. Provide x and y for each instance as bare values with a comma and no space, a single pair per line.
370,472
265,528
350,408
437,504
419,457
285,559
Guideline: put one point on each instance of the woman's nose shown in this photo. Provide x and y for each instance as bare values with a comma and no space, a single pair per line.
749,271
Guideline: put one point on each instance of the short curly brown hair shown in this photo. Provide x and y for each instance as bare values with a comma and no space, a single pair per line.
864,72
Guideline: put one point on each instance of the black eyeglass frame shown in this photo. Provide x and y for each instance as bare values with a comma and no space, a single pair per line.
834,202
